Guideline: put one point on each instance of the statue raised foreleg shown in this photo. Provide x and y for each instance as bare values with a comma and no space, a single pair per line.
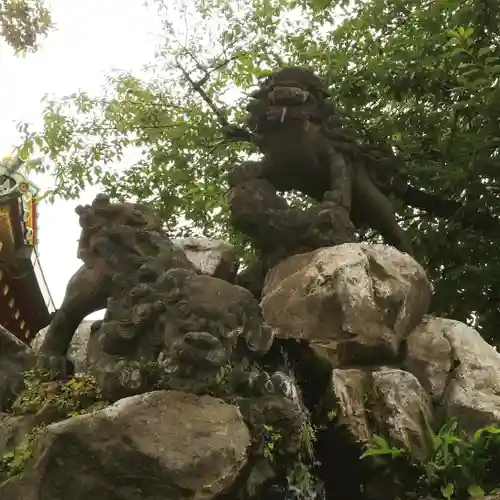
86,292
370,205
341,183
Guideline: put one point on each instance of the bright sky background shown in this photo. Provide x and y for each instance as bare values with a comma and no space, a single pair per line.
92,38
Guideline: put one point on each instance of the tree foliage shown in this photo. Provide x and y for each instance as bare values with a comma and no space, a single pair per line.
422,76
23,22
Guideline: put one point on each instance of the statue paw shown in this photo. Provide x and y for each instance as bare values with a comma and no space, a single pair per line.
333,197
55,367
337,198
201,349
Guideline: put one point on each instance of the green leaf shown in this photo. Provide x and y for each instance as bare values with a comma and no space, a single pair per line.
473,74
320,5
460,50
475,491
469,65
491,429
380,441
448,490
466,32
24,22
491,60
376,452
483,51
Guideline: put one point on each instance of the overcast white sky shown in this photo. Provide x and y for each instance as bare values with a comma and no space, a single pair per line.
92,38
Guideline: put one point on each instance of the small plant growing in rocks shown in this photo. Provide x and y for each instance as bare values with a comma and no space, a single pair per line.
48,402
57,400
459,466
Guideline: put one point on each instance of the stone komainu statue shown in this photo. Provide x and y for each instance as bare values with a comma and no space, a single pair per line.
165,325
306,149
119,243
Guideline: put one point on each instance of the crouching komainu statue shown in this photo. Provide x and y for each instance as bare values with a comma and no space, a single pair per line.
165,325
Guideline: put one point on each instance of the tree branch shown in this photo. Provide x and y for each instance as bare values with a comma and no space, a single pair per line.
231,132
198,88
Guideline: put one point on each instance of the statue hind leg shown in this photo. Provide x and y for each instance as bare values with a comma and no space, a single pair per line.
86,292
373,207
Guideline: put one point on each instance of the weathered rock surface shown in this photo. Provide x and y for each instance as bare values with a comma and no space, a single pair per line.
13,430
77,352
387,402
160,445
459,369
354,302
429,357
15,357
209,256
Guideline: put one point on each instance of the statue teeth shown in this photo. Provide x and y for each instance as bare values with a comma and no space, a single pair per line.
283,114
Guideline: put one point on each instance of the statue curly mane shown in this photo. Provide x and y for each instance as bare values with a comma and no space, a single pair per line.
107,226
126,241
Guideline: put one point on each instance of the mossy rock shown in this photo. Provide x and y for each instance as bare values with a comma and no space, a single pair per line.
45,403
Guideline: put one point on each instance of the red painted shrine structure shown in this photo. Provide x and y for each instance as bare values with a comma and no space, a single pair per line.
25,301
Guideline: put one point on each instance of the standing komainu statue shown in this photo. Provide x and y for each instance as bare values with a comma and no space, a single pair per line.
305,149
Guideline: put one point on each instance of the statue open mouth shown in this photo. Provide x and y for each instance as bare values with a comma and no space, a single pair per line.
281,98
278,104
286,114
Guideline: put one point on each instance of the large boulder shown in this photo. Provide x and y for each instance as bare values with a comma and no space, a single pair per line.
353,302
160,445
15,358
387,402
459,369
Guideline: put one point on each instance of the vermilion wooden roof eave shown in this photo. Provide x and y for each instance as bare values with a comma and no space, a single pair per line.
29,287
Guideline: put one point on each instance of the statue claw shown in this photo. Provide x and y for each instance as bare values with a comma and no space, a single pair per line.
336,197
55,367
